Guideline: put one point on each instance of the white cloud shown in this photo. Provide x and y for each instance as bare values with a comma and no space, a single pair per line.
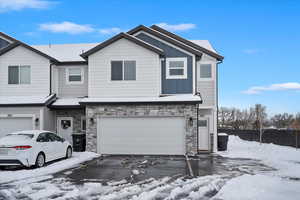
274,87
67,27
107,31
251,51
176,27
9,5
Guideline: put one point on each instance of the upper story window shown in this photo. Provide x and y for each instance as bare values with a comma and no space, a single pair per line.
19,74
176,68
123,70
75,75
205,71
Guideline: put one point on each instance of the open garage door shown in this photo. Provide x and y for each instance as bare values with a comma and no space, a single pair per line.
12,124
141,135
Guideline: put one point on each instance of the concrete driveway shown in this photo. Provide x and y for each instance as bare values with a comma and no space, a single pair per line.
130,168
134,177
133,169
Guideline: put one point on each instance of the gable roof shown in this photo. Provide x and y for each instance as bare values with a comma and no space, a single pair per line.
17,43
187,42
118,37
11,39
66,52
165,38
205,44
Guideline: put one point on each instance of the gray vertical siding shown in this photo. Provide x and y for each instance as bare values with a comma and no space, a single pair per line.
75,90
3,43
172,86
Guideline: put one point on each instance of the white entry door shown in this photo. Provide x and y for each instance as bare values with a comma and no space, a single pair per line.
141,135
65,128
203,134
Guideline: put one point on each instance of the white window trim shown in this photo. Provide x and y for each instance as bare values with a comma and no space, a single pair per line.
123,70
212,71
184,76
74,82
19,83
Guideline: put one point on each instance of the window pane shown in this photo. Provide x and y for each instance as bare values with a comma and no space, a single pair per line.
116,70
202,123
75,74
205,71
75,71
174,72
74,78
83,124
25,74
13,75
176,64
129,70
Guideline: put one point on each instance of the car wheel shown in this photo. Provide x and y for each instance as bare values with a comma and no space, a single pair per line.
69,152
40,160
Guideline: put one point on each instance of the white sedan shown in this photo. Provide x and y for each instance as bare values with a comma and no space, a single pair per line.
32,148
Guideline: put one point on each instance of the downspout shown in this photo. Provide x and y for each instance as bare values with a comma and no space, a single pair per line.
217,85
197,107
50,75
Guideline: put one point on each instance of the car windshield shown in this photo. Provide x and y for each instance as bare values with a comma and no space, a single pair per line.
19,136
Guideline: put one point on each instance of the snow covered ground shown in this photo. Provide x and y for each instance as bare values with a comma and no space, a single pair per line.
76,159
283,183
242,179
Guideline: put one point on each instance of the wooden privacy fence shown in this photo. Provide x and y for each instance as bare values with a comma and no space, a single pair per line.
280,137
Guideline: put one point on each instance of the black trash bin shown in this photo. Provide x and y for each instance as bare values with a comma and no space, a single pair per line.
79,142
222,141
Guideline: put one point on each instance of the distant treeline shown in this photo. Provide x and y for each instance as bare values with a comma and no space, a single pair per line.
252,118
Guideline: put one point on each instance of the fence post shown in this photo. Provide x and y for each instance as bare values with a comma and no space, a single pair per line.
297,139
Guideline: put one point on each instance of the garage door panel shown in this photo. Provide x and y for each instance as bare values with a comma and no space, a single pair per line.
9,125
141,135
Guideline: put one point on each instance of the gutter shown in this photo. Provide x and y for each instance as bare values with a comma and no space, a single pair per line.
141,102
50,76
217,88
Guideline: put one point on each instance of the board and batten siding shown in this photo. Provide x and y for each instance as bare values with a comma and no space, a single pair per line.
207,88
147,81
40,67
172,86
71,90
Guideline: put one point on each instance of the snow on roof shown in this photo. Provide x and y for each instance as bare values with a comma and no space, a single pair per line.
7,100
67,102
173,98
65,52
205,44
72,52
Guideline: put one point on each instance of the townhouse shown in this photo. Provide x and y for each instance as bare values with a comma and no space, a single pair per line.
147,91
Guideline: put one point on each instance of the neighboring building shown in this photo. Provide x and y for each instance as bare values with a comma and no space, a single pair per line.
147,91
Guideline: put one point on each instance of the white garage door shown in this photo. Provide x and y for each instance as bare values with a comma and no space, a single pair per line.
8,125
141,135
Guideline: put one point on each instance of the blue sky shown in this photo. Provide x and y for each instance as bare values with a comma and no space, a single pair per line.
259,39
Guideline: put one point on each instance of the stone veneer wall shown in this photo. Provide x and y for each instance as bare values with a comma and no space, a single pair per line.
182,110
76,114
